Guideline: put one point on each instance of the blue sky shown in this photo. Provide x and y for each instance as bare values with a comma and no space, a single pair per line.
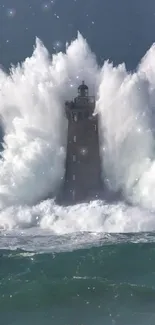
119,30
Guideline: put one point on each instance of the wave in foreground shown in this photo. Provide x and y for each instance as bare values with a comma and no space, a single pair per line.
101,284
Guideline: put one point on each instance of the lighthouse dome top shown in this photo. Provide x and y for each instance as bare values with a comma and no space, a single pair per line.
83,86
83,90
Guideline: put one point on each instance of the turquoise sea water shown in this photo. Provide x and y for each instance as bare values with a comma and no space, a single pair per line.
107,280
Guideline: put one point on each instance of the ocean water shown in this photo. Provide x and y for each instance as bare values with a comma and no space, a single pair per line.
69,280
90,263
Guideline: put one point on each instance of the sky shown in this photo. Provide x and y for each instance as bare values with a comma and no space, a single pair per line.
119,30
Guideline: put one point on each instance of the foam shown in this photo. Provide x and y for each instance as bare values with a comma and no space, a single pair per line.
32,110
32,166
127,136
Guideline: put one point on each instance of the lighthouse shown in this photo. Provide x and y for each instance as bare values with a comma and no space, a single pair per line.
82,181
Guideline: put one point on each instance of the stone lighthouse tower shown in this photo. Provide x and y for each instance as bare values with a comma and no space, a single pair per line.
83,171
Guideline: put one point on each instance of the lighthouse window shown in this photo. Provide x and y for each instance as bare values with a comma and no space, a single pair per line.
95,127
74,158
74,139
85,101
80,115
73,177
73,193
74,116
